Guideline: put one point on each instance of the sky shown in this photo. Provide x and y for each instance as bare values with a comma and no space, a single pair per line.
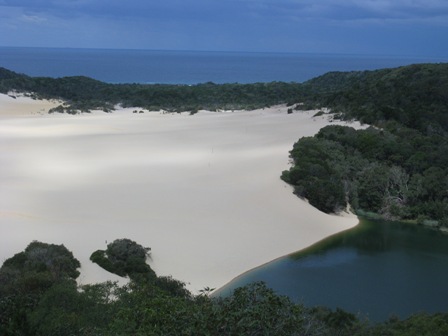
383,27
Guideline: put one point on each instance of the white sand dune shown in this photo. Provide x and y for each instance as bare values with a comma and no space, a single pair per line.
202,191
17,104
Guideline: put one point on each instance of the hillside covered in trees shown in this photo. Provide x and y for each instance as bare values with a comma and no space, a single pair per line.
39,296
396,169
84,94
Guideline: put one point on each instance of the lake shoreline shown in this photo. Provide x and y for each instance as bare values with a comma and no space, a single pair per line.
216,292
203,191
364,271
428,224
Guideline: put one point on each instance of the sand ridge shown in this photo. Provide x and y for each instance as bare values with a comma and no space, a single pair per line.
202,191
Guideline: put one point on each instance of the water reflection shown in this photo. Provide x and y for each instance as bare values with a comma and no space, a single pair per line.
376,269
329,259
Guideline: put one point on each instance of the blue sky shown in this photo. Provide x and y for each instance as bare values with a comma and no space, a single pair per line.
387,27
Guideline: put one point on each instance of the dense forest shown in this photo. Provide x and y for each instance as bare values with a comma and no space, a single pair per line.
397,168
39,296
82,94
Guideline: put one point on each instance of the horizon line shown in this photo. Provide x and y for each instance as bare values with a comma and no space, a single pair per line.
231,51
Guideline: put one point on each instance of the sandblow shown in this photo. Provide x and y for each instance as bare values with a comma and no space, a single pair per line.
203,191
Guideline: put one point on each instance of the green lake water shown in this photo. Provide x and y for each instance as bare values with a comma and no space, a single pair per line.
377,270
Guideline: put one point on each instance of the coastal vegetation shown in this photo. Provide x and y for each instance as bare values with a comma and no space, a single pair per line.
83,94
39,296
124,257
396,169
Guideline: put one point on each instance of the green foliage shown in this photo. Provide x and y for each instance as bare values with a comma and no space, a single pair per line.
59,311
317,174
26,277
125,257
319,114
337,320
250,310
416,325
38,267
147,310
83,94
396,172
414,96
257,310
172,286
165,307
397,169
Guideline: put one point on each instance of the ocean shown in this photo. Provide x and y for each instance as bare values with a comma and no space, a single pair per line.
189,67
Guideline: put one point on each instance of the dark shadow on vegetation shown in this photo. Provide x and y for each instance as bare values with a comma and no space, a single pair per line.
38,296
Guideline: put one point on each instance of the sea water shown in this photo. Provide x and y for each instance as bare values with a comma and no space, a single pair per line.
188,67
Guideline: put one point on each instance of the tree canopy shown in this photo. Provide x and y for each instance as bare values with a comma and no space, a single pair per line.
124,257
61,307
397,168
83,94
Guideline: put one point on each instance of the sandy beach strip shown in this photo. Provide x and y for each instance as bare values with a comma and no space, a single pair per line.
202,191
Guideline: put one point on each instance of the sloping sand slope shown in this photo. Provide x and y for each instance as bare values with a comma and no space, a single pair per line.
202,191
